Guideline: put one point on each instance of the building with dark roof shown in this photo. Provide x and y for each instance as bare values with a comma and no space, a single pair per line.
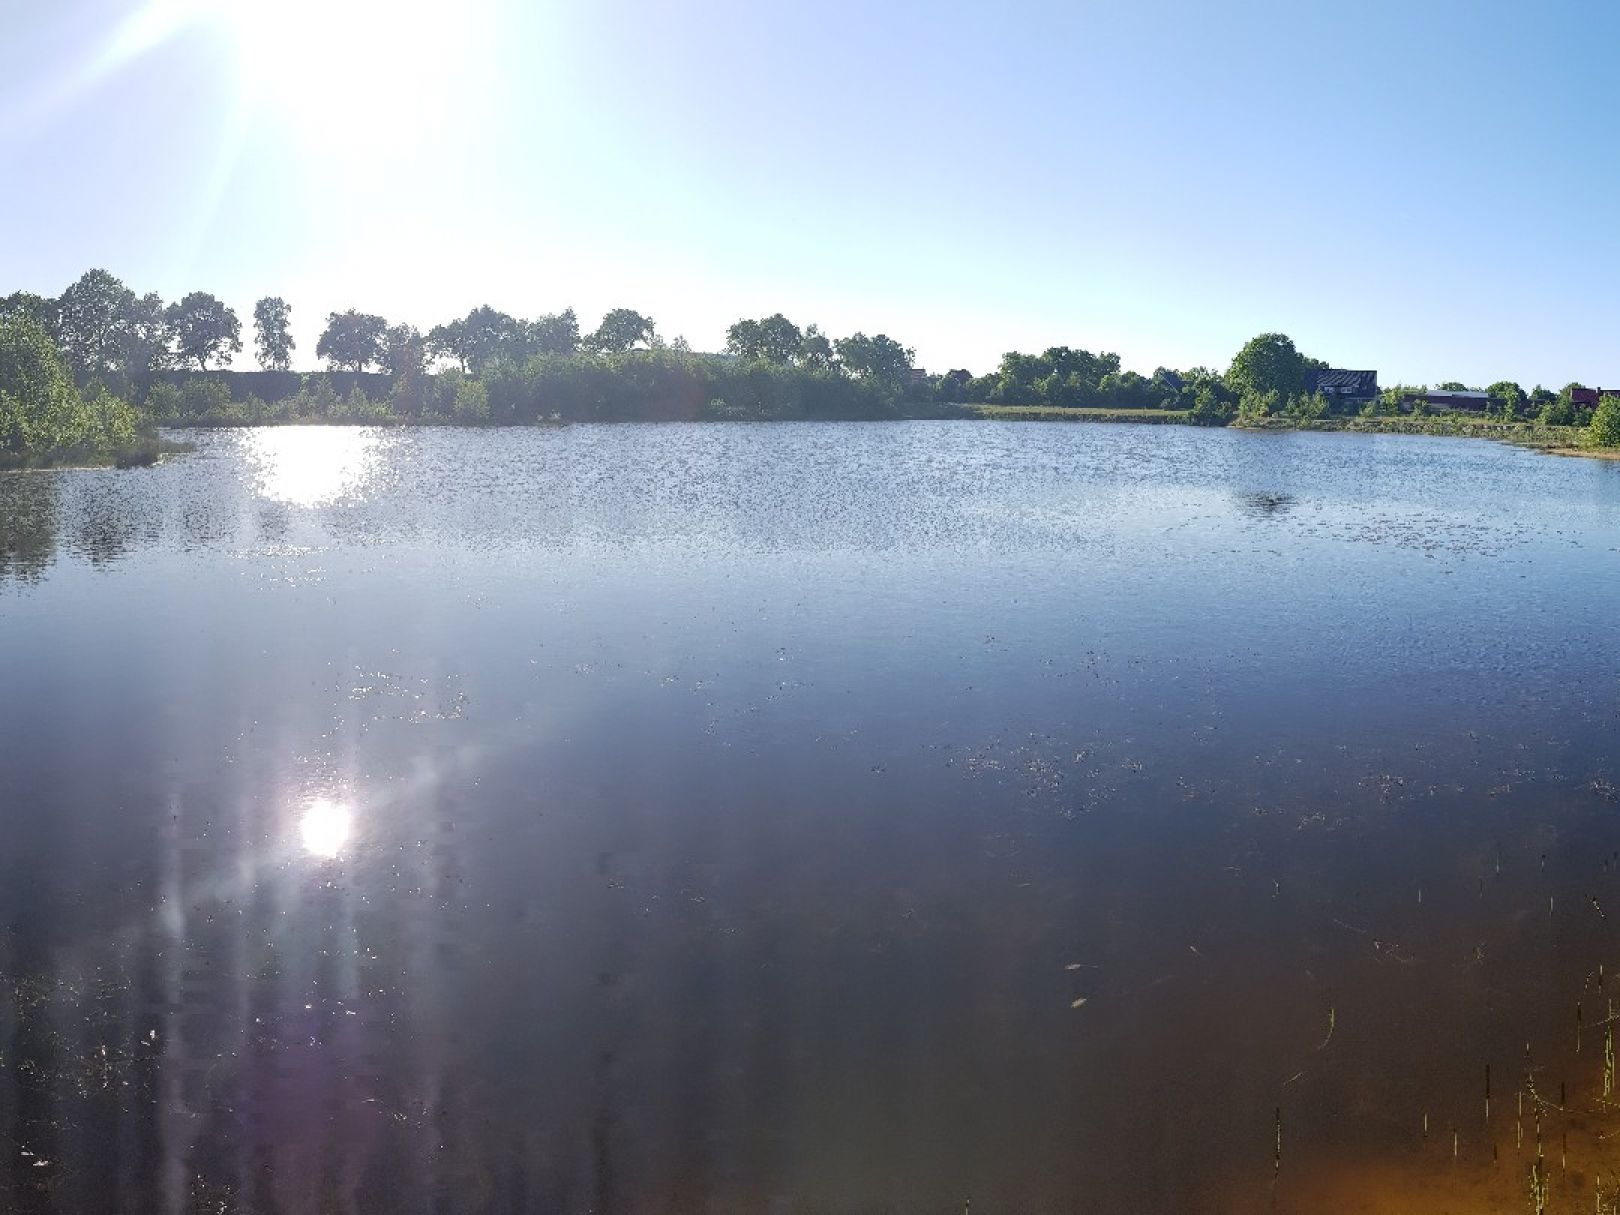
1591,396
1339,385
1458,398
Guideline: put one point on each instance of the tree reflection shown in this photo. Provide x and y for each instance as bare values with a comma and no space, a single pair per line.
30,517
1262,505
107,525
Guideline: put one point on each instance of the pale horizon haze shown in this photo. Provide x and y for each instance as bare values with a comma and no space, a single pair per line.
1428,190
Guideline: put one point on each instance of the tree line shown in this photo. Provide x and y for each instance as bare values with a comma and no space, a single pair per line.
114,346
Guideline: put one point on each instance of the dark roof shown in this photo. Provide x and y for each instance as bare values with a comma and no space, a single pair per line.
1337,380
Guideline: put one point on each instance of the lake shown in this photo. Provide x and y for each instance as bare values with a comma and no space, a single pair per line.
810,818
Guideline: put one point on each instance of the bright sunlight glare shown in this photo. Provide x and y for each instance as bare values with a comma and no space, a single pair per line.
328,62
325,827
311,465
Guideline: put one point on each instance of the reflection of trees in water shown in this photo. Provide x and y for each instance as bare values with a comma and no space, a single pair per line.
30,513
108,523
1265,504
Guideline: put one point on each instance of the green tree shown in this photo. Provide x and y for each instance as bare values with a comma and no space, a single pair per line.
743,339
1604,429
272,337
146,343
1508,398
1254,405
482,336
39,408
879,358
555,333
1267,364
780,339
1578,415
352,340
1209,404
774,339
90,322
1556,411
448,341
204,328
26,304
404,351
621,329
815,350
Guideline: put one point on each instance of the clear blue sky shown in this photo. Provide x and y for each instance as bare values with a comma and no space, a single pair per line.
1427,188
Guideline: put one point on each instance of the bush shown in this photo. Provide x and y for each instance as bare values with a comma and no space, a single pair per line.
207,401
1557,412
1255,405
1208,407
114,423
1604,429
470,405
45,419
40,410
1306,407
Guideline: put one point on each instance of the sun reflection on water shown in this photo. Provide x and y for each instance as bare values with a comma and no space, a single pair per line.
312,465
325,827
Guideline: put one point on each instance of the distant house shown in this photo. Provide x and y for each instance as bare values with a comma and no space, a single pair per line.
1339,385
1446,398
1591,396
916,376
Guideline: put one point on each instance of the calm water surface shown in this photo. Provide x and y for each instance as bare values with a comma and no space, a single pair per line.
810,819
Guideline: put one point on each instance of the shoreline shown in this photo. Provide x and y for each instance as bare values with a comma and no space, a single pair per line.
142,455
1553,441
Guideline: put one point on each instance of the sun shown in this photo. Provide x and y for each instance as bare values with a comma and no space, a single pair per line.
358,72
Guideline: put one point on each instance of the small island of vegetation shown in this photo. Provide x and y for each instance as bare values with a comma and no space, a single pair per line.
89,377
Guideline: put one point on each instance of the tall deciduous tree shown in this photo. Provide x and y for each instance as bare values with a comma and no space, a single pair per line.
774,338
486,334
815,348
146,344
448,341
272,336
404,351
352,340
555,333
878,358
742,339
1268,363
204,328
90,321
26,304
622,329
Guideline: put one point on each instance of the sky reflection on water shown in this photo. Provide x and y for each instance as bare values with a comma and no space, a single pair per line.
739,816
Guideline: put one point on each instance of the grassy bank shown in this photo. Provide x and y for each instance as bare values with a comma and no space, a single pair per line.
144,451
1048,413
1452,425
1554,440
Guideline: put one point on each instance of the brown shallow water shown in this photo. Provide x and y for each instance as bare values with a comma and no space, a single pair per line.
810,818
